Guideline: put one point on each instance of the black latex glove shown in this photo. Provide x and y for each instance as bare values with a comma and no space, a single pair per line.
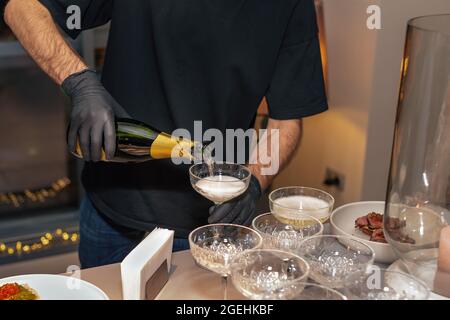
92,117
240,210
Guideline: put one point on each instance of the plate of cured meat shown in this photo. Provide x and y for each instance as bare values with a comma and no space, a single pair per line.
364,220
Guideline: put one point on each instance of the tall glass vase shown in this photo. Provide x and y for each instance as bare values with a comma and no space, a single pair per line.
418,198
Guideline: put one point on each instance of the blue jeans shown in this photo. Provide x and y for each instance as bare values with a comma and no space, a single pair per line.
104,242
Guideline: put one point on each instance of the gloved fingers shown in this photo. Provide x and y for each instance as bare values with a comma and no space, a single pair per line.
109,139
221,211
72,136
84,135
246,213
250,218
96,142
232,215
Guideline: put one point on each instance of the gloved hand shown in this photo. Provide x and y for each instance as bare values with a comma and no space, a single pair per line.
92,116
240,210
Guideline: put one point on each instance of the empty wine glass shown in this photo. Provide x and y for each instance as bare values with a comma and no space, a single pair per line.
214,246
380,284
219,182
268,274
332,258
278,235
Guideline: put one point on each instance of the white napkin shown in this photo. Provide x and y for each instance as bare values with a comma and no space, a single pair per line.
141,263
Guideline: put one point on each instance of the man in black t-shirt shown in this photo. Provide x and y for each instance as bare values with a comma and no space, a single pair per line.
169,63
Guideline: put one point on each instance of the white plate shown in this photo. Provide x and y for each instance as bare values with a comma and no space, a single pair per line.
58,287
342,222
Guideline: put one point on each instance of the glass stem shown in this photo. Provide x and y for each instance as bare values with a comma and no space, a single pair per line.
225,287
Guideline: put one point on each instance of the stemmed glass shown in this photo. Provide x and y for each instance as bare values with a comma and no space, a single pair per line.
289,204
332,258
219,182
269,274
417,212
281,236
214,246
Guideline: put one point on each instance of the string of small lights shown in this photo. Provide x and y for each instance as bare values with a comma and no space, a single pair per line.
17,199
47,240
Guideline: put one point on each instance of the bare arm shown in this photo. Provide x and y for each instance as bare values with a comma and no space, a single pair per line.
290,132
35,29
93,108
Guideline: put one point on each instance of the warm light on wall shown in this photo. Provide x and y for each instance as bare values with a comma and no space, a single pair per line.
47,240
19,198
323,51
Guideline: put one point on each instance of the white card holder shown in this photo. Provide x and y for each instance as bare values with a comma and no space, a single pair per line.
146,269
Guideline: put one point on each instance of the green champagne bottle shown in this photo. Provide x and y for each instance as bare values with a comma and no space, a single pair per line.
139,142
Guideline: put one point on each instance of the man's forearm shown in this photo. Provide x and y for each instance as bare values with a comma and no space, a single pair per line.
35,29
290,132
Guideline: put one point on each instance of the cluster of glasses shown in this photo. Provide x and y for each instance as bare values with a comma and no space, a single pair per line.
286,255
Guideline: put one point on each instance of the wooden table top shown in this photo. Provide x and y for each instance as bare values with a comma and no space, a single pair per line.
187,281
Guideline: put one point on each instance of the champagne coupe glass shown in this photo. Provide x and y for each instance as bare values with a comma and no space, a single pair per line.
381,284
267,274
332,258
214,246
219,182
288,204
278,235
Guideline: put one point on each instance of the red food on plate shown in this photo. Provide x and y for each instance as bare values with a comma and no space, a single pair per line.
397,231
378,236
366,230
375,220
372,225
8,290
362,222
15,291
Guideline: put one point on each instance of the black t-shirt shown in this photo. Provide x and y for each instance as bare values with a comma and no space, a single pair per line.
171,62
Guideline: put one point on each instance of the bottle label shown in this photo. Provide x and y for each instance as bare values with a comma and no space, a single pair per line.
167,146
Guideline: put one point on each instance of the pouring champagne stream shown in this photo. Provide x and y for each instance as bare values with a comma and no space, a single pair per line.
214,246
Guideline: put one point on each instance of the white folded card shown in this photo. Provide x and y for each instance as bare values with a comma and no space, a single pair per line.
142,263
